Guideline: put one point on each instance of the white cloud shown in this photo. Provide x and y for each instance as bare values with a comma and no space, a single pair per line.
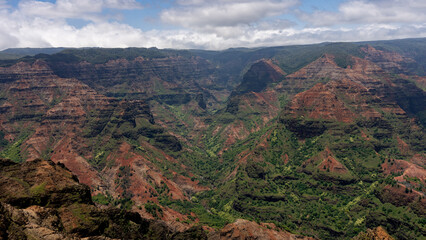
44,24
6,40
199,14
40,32
252,37
122,4
366,12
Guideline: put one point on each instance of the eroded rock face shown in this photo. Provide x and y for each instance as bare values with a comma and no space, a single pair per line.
67,121
321,93
330,163
254,97
51,106
322,68
258,77
390,61
321,103
40,183
56,110
251,94
361,91
139,74
356,86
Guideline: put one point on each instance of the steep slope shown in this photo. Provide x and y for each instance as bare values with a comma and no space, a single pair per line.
390,61
249,108
359,86
63,119
140,76
259,76
179,87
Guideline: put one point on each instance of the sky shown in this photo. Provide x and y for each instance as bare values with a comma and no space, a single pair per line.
205,24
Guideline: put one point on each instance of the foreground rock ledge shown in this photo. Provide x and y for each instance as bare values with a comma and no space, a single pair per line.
43,200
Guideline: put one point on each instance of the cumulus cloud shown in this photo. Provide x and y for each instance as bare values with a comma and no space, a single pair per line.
199,14
253,37
248,22
41,32
366,12
44,24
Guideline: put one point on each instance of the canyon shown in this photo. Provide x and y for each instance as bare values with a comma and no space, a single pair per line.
319,141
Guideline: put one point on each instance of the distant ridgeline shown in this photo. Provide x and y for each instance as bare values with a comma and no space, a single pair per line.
325,140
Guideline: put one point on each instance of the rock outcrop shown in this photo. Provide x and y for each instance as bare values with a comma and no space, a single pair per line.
390,61
43,200
345,95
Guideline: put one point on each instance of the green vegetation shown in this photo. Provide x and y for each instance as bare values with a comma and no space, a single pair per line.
38,189
3,142
102,199
13,151
206,216
92,55
154,210
300,197
123,202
